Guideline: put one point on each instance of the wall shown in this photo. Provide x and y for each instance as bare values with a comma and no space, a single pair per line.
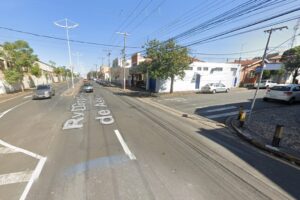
188,83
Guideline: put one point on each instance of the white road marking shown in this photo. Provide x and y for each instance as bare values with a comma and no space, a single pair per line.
29,153
7,111
176,99
221,109
29,96
6,150
17,177
11,98
37,170
224,114
124,145
35,175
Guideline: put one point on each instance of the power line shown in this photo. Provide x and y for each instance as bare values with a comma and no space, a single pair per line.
63,39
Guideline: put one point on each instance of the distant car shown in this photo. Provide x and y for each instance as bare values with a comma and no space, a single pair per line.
88,87
43,91
214,88
284,92
265,84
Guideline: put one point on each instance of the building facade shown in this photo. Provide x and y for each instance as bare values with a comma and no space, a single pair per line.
198,75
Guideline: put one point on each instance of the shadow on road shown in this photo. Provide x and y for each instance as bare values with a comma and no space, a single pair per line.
285,176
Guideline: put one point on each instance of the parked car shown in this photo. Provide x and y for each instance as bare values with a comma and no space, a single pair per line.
265,84
284,92
88,87
43,91
214,88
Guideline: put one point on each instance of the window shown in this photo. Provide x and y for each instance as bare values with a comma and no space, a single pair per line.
217,69
251,74
205,68
199,68
234,70
296,89
190,68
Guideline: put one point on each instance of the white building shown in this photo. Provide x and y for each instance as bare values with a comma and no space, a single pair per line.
198,75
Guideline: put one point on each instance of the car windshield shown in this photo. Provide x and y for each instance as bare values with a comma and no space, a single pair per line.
43,87
281,88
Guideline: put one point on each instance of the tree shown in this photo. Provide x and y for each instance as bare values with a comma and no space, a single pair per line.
36,71
168,60
20,58
291,60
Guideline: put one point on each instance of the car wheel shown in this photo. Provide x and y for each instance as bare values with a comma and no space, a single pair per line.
291,101
265,99
214,91
227,90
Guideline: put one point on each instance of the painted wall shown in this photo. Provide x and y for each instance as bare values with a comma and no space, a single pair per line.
230,76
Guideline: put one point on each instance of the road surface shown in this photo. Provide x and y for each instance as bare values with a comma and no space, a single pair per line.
106,145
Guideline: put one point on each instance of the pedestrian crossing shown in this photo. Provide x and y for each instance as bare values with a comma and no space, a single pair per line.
218,112
26,172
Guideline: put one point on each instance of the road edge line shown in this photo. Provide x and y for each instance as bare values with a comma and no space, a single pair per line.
12,108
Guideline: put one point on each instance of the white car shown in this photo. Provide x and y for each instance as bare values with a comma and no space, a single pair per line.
265,84
214,88
284,92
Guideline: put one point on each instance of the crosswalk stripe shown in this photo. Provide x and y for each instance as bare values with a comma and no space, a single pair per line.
6,150
17,177
221,109
224,114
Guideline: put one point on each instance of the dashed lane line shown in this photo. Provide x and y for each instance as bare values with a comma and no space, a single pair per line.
124,145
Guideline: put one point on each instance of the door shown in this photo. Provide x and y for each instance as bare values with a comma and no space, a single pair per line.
222,87
198,77
152,84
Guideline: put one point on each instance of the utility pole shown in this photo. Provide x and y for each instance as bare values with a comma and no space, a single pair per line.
124,57
270,31
68,26
96,70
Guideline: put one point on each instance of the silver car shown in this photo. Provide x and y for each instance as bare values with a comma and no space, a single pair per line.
43,91
214,88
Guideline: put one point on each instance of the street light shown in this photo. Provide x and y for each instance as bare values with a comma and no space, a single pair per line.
68,26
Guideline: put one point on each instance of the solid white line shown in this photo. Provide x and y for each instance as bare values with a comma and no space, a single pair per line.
12,98
34,176
224,114
124,145
17,177
29,153
221,109
7,111
27,96
6,150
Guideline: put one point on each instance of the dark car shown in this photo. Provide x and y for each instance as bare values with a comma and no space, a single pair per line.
43,91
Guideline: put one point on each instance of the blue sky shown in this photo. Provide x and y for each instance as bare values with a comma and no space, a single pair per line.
161,19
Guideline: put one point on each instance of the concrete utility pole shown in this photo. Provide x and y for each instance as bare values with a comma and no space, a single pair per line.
270,31
124,57
68,26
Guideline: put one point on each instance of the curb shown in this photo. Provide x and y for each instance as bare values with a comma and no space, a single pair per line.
273,150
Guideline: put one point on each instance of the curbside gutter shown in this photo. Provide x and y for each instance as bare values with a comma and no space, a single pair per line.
265,147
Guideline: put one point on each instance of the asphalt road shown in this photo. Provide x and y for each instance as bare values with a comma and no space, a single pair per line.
220,106
127,149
